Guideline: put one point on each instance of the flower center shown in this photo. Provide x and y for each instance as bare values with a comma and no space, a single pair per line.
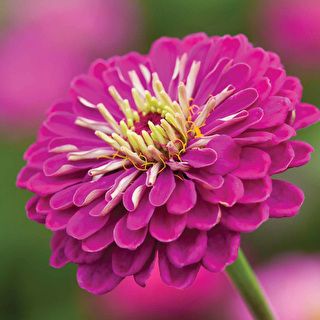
156,129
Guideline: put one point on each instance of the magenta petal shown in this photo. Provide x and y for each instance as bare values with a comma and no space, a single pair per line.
58,219
74,252
31,211
126,238
184,197
256,190
188,249
167,227
222,249
228,154
275,112
205,179
198,158
128,262
163,188
228,194
281,157
286,199
180,278
102,238
91,190
98,277
58,258
245,217
140,217
203,216
134,193
302,153
306,115
144,274
64,198
83,225
254,164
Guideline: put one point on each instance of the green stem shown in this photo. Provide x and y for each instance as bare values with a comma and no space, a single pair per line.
246,282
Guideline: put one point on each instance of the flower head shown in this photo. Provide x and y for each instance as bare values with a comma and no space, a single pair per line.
167,155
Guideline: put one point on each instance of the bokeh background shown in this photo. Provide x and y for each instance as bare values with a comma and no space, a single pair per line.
43,44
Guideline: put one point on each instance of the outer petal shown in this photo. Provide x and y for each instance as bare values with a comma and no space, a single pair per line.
306,115
180,278
254,164
144,274
98,278
179,203
203,216
128,262
126,238
302,153
228,194
83,225
222,249
281,156
245,218
58,258
256,190
188,249
286,199
167,227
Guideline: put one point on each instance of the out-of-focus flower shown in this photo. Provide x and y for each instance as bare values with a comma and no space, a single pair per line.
46,43
292,284
162,302
169,153
292,27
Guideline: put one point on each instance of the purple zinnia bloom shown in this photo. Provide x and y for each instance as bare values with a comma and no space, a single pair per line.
167,155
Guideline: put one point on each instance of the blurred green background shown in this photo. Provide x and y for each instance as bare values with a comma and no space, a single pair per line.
29,288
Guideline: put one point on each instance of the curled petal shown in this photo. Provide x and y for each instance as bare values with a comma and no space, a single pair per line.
285,200
198,158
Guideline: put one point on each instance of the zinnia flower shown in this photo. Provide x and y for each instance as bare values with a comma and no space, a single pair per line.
46,44
167,155
292,283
